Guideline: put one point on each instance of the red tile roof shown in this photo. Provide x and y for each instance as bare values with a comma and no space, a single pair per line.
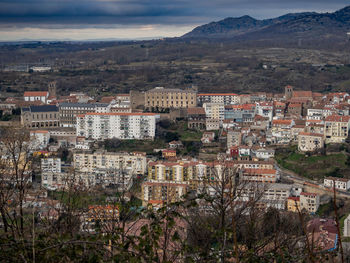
282,122
35,93
303,94
338,118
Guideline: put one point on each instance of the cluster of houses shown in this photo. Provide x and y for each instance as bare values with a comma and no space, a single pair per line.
249,125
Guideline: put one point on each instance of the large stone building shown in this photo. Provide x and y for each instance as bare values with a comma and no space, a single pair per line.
170,98
45,116
196,118
100,126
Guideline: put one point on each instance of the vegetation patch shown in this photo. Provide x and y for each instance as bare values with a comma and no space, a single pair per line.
315,166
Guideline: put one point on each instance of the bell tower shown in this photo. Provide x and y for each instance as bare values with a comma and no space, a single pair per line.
52,88
288,92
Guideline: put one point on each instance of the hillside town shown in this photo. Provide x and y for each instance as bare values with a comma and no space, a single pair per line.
182,143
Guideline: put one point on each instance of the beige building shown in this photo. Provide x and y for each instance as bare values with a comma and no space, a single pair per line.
134,163
336,128
170,98
309,142
309,201
214,111
45,116
234,138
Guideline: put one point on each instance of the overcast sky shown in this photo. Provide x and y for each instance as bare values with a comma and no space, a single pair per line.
134,19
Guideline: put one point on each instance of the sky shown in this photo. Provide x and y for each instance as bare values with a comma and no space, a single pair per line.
134,19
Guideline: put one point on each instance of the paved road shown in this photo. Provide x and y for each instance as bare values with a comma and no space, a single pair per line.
301,180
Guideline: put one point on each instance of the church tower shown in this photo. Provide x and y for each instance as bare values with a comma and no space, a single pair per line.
288,92
52,89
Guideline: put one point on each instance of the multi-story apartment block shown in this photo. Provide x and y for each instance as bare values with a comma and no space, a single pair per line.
281,130
240,113
51,176
225,98
50,165
293,204
109,169
69,111
234,138
45,116
336,128
309,142
167,182
265,109
102,126
255,164
309,201
265,191
340,183
214,111
259,175
88,162
170,98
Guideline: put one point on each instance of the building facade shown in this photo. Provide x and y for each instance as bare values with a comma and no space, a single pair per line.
336,128
69,112
31,96
309,142
309,201
340,183
170,98
45,116
225,98
102,126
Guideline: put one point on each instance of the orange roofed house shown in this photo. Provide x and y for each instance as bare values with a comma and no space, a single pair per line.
281,131
36,96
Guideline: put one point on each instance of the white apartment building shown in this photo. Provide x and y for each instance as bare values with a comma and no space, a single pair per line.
265,109
133,163
269,192
336,128
225,98
50,165
309,142
340,183
309,201
214,111
100,126
39,139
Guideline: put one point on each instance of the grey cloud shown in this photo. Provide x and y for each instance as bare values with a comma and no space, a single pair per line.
43,12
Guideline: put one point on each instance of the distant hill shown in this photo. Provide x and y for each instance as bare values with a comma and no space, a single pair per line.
301,25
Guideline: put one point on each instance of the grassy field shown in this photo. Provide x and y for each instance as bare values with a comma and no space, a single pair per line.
139,145
314,167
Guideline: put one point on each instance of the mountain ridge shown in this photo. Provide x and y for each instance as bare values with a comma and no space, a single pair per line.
305,24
